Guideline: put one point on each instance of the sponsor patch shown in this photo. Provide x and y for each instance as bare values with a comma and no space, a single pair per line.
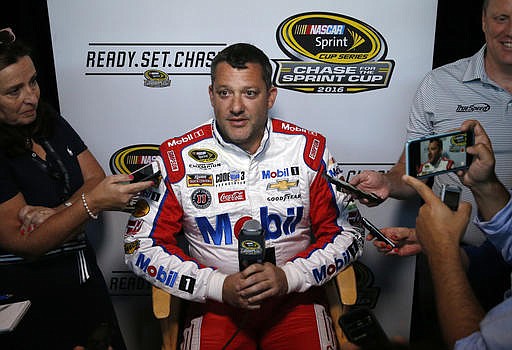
314,149
141,209
187,284
275,173
231,196
187,138
233,177
133,227
151,195
284,197
173,161
197,180
130,248
201,198
282,185
160,273
203,155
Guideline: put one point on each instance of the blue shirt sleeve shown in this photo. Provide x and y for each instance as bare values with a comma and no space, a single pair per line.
499,231
495,330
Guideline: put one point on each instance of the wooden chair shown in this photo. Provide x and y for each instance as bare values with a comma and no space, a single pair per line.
341,293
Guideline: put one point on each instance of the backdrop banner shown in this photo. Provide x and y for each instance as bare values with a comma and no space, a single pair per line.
132,74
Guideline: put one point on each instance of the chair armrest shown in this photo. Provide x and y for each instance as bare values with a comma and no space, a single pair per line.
341,292
161,303
347,285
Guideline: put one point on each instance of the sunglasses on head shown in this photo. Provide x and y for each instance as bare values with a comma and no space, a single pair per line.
7,36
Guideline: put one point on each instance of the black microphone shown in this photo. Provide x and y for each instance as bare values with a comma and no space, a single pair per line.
251,244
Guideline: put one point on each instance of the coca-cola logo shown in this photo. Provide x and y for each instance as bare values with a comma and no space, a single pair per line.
232,196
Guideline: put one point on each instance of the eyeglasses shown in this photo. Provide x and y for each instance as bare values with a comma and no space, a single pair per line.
7,36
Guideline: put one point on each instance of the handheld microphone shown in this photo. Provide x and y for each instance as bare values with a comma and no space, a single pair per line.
251,244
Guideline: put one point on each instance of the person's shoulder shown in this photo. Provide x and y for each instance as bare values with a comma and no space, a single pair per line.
314,146
285,127
458,67
195,135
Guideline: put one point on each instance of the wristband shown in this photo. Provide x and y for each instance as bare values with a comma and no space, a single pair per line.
87,208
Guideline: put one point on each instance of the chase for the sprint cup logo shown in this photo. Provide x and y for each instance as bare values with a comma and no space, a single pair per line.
331,53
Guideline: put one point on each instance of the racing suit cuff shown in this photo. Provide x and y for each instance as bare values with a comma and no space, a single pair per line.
215,284
294,278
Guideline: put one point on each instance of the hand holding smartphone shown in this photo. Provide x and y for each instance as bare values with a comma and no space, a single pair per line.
147,172
378,233
437,154
348,187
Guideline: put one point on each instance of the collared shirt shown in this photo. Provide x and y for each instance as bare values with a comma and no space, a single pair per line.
456,92
495,329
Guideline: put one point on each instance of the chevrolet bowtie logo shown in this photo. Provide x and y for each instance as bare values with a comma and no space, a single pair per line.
282,185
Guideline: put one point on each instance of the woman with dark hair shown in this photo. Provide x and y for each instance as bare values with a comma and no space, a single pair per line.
50,185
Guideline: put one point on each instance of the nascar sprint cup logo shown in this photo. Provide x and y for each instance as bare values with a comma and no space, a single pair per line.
331,53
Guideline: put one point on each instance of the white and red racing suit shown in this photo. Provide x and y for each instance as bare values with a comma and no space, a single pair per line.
211,187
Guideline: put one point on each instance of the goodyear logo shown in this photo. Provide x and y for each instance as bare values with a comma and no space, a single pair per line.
331,53
156,79
130,158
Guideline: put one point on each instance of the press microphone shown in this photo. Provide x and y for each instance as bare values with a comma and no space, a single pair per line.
251,244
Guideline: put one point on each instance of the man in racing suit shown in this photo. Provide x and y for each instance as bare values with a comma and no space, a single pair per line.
436,161
243,165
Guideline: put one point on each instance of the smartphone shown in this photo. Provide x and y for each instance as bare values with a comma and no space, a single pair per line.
344,185
147,172
362,328
378,233
450,195
437,154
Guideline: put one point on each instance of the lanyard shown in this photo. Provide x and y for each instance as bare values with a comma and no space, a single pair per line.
54,167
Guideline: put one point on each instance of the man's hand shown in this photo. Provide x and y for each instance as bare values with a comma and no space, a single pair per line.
481,169
254,285
490,194
437,226
231,292
372,182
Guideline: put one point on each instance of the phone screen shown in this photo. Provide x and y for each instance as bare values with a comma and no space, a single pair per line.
437,154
